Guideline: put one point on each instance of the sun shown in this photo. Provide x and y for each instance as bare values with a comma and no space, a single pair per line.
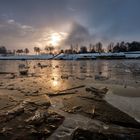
55,39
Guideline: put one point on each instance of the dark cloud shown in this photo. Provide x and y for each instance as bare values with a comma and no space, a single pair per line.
78,34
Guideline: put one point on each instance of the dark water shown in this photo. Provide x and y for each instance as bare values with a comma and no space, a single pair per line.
113,69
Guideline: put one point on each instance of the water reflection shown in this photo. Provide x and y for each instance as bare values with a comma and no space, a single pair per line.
114,69
55,84
55,74
56,71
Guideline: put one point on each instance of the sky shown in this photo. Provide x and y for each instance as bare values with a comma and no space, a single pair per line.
29,23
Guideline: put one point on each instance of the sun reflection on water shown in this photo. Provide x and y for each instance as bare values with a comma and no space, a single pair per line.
56,81
56,84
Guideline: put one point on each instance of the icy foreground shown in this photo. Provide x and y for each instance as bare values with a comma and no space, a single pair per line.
129,105
65,100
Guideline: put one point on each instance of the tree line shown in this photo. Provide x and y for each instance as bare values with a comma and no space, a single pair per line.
98,48
94,48
47,49
5,51
75,49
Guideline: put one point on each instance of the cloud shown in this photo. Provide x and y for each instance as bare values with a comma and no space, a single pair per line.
78,34
82,35
71,9
14,34
14,29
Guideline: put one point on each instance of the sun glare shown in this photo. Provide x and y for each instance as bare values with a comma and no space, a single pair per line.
55,39
52,38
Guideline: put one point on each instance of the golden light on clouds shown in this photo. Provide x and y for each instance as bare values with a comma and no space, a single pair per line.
51,37
55,39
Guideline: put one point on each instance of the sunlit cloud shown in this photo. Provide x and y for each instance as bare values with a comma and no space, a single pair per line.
52,38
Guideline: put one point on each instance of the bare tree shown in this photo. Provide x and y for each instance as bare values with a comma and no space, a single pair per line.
110,47
49,49
37,50
26,51
92,48
99,47
83,49
3,50
19,51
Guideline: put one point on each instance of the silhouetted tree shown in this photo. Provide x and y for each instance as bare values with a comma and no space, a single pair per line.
68,51
99,48
76,48
19,51
3,50
116,47
134,46
49,49
92,48
71,48
110,47
26,50
37,50
120,47
14,52
83,49
61,51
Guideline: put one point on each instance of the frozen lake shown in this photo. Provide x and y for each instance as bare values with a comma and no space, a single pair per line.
113,69
101,95
121,76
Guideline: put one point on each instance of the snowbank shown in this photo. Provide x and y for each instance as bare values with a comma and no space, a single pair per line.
26,57
86,56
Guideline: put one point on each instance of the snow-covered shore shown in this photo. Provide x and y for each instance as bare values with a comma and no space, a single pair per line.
26,57
86,56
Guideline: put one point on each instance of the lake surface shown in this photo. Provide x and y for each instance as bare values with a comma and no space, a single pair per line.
122,77
113,69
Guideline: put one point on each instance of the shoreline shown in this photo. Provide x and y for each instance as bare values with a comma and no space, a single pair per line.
84,56
22,59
